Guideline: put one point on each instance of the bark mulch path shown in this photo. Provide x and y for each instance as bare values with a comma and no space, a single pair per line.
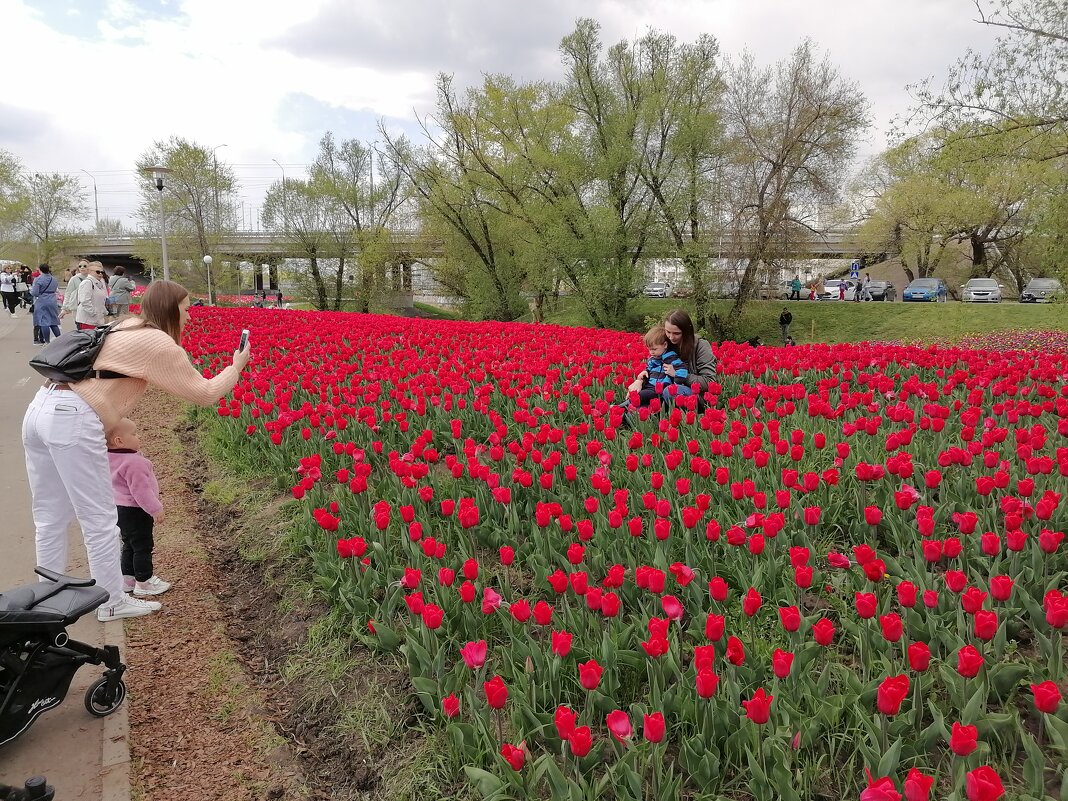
200,729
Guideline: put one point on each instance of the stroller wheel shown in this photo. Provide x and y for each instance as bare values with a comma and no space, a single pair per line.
96,700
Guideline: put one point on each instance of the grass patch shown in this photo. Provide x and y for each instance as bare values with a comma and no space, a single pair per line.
436,312
852,322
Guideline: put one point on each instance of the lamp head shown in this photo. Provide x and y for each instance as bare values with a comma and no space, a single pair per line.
207,261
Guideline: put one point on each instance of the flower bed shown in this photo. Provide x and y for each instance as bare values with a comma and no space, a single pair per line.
844,576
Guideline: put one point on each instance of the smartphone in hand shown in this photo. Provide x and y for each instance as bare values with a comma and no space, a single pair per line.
244,339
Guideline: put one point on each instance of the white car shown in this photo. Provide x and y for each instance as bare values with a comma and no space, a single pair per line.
658,289
981,290
832,289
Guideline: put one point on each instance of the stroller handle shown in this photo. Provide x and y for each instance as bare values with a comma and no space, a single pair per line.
68,581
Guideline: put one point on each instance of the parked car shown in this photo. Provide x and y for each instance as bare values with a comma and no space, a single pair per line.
1042,290
930,290
832,289
882,290
658,289
777,291
981,290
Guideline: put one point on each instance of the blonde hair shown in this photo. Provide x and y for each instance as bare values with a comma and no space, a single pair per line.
655,336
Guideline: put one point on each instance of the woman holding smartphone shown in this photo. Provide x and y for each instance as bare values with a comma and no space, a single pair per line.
64,436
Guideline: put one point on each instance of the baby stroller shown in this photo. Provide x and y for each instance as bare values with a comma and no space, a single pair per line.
37,658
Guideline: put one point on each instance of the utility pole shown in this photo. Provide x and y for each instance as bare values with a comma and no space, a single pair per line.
96,204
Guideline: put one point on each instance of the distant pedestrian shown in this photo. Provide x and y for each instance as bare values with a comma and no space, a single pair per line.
865,293
842,290
70,293
795,288
45,305
784,323
8,280
120,286
789,341
92,293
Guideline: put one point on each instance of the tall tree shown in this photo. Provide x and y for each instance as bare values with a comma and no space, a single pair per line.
1018,86
198,203
307,217
10,203
370,193
792,133
47,207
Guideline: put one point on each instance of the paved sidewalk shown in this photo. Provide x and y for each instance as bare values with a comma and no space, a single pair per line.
83,757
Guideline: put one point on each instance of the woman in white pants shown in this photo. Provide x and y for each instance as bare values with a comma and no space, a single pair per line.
65,426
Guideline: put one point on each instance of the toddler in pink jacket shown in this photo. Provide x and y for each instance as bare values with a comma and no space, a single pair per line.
136,492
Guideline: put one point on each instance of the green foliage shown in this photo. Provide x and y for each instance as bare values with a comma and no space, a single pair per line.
854,322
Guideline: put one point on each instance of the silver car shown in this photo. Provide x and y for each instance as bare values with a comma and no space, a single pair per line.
658,289
981,290
1042,290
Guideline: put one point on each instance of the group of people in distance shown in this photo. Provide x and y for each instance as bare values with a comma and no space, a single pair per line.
82,449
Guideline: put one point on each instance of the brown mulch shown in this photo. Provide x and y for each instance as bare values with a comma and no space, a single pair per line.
199,729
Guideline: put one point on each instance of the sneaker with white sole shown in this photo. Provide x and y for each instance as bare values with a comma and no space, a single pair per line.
154,586
127,607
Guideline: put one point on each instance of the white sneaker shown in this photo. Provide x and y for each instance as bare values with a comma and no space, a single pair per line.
127,607
154,586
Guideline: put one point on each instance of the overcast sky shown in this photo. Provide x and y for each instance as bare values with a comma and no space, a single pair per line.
90,84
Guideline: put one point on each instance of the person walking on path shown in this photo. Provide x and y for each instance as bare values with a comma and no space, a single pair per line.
120,287
64,430
92,298
795,288
45,307
865,293
70,294
784,323
8,280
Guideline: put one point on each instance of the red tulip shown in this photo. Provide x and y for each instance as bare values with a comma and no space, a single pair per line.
707,681
450,705
507,553
823,631
1047,697
983,784
619,725
790,616
812,515
590,674
873,515
653,727
880,790
580,741
751,604
714,627
963,739
561,643
496,692
867,604
892,691
564,718
671,606
891,626
717,588
781,663
985,624
758,708
516,757
906,594
1001,588
917,785
919,655
969,660
735,651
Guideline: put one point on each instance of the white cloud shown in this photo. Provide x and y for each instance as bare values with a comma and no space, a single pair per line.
95,88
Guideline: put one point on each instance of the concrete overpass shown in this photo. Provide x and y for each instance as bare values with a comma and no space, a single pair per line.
410,245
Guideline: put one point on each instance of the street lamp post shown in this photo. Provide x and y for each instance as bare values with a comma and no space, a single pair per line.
215,182
285,193
207,264
157,174
96,203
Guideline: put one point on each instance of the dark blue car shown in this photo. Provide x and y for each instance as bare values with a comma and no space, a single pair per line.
930,290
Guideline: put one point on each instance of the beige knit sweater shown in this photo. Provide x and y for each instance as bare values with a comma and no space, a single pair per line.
147,356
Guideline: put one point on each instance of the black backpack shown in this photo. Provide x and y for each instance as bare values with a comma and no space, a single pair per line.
69,358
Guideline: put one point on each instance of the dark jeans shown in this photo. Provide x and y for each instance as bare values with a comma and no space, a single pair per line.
11,301
135,526
795,294
46,332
